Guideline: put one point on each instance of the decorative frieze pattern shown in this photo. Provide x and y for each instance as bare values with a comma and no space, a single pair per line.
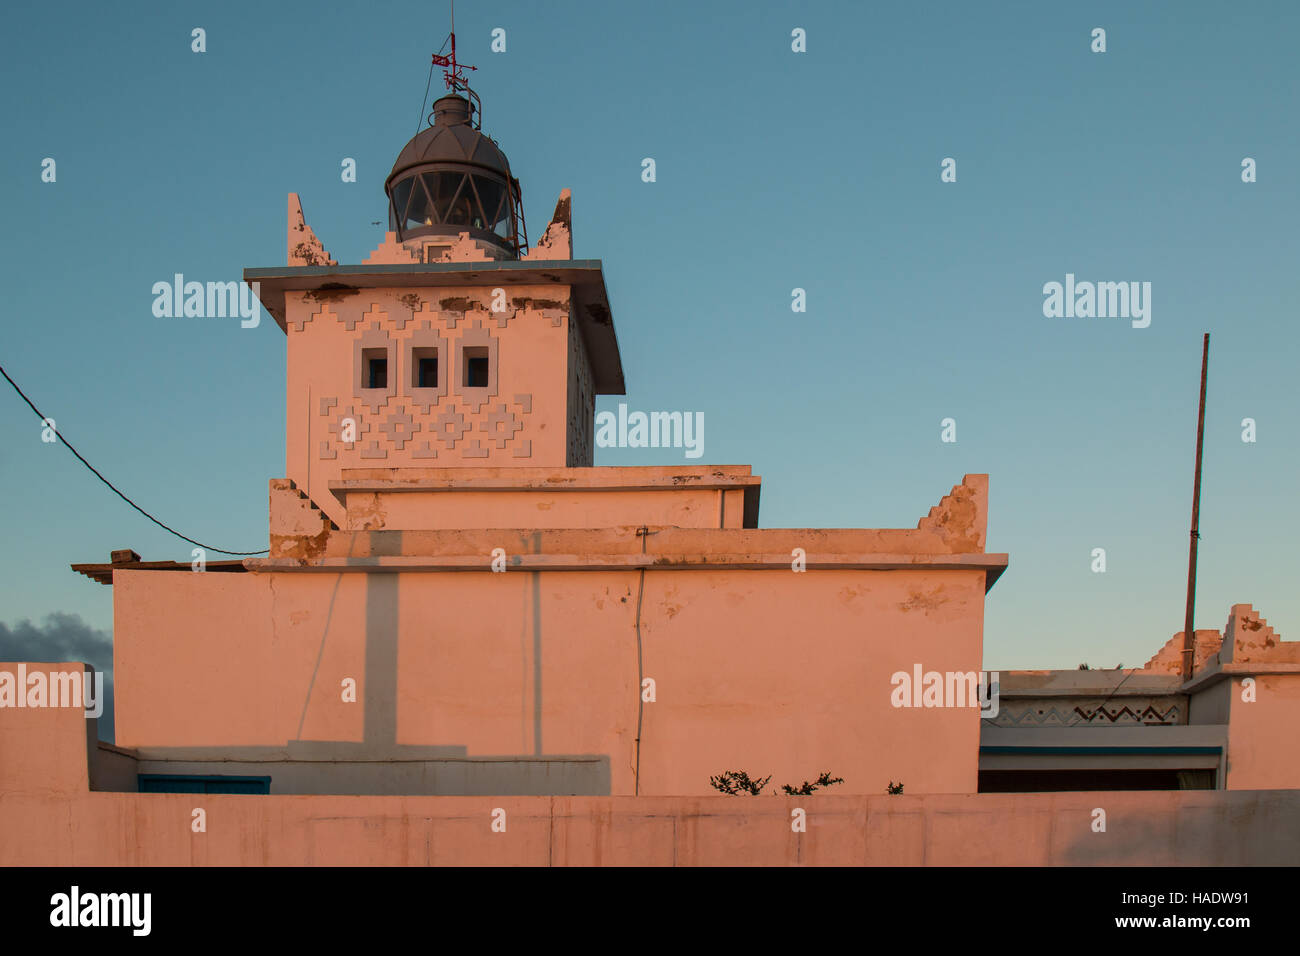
401,418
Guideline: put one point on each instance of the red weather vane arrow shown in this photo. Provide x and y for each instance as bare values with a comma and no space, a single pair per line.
451,73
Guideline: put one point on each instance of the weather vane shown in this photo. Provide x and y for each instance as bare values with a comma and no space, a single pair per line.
453,75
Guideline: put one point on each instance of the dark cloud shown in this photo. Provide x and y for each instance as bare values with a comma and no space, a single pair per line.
64,637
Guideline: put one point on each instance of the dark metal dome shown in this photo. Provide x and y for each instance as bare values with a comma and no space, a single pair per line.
451,139
452,178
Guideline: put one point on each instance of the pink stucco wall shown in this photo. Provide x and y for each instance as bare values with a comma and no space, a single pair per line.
527,663
420,511
104,829
50,818
426,499
43,750
1263,748
760,662
526,421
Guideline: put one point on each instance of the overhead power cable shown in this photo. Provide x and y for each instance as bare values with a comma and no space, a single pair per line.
58,434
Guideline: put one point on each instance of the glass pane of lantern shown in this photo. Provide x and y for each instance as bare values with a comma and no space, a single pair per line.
448,197
420,211
475,208
496,213
401,195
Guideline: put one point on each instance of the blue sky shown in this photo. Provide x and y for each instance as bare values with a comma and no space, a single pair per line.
775,170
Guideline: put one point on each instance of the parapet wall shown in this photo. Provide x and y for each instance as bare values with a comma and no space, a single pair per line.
1189,828
50,817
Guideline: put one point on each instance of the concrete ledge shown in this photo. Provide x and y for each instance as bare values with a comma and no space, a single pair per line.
1125,682
1028,738
1220,672
992,564
644,478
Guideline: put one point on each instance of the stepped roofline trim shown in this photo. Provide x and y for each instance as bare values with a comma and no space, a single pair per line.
585,276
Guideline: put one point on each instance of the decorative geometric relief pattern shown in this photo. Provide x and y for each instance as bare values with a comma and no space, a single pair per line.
524,446
500,424
399,427
503,317
426,316
406,421
350,315
426,337
374,339
1147,715
405,309
449,426
476,336
329,448
304,314
1148,712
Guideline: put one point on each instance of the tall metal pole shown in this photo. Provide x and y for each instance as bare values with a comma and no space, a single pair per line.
1188,644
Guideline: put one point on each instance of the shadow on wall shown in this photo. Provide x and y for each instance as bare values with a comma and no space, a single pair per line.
378,764
358,769
1220,827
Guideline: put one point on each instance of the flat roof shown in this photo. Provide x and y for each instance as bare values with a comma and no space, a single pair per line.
103,573
1094,682
593,478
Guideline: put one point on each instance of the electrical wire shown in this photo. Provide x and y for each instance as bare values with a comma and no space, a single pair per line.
428,85
59,435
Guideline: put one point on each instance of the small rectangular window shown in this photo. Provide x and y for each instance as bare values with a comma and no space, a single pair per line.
424,367
375,366
476,366
201,783
429,372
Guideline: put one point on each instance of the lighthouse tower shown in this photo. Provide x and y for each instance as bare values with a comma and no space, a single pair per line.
453,345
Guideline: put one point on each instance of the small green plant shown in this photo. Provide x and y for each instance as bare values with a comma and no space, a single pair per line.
737,781
825,780
895,787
